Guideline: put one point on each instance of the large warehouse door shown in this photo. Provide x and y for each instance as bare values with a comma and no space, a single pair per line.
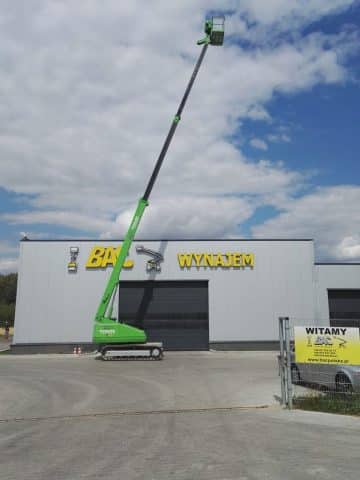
173,312
344,308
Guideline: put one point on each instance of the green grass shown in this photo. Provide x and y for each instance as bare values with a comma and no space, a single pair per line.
330,402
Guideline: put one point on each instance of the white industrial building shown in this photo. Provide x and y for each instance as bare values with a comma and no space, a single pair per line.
190,294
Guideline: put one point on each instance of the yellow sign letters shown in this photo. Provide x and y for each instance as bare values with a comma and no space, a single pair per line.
101,257
224,260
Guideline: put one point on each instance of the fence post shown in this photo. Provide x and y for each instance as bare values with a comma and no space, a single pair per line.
285,362
281,361
288,363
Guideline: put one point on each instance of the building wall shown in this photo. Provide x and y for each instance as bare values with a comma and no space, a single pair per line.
55,306
332,276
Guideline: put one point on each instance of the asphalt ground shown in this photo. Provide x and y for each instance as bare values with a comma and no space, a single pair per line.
210,415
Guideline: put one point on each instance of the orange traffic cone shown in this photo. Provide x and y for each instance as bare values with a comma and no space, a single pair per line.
74,351
79,350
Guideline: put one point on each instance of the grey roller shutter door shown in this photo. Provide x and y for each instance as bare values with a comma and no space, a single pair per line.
174,312
344,307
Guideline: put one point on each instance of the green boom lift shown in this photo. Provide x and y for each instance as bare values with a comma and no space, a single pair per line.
119,340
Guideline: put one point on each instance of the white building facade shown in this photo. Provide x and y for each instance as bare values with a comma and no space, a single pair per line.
190,294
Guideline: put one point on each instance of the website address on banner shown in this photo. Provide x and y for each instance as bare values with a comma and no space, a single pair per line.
327,360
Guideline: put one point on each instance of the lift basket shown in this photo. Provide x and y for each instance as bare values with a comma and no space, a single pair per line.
217,30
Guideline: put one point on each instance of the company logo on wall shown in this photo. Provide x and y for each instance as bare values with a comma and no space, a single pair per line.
72,265
154,262
102,257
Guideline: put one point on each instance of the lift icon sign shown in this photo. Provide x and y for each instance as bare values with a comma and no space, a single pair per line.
154,262
323,340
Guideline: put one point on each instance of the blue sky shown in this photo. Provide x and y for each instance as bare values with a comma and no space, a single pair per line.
267,147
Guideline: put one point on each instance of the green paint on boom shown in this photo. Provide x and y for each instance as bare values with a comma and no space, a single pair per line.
106,329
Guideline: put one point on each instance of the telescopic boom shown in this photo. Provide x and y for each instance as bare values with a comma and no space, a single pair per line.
214,30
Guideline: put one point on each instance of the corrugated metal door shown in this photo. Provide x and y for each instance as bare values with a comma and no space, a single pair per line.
173,312
344,307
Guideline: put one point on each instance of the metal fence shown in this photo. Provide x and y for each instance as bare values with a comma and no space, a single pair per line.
329,384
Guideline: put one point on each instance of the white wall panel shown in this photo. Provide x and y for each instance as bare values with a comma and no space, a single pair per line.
55,306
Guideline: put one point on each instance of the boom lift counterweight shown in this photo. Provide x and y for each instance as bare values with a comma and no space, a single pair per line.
119,340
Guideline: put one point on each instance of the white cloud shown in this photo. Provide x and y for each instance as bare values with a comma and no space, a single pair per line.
88,91
8,265
195,217
349,248
8,260
270,17
329,215
79,221
258,143
258,112
7,248
279,138
275,10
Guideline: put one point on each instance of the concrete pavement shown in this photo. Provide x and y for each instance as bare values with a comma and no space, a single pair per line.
86,426
4,344
63,384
